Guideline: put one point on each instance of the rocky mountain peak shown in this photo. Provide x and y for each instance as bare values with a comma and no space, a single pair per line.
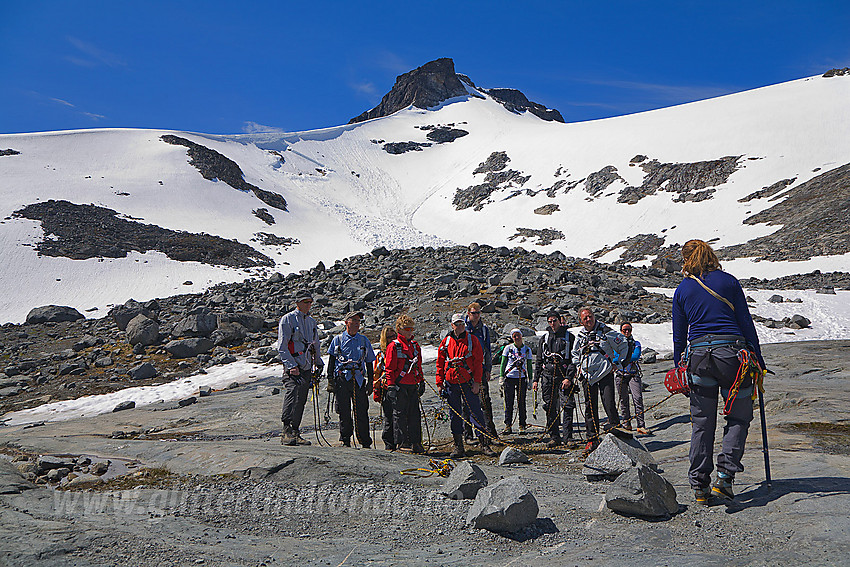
424,87
436,81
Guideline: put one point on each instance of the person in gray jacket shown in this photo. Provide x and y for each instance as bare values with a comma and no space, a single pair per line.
594,349
298,347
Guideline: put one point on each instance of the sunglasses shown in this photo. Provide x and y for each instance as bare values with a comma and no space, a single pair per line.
553,320
475,312
409,328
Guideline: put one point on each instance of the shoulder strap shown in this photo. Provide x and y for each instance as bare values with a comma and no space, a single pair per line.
712,292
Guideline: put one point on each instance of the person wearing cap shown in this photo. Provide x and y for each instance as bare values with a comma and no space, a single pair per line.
627,379
554,375
350,358
459,371
476,326
515,375
299,350
405,385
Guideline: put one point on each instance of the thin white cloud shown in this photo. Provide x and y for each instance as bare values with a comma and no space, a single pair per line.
93,55
363,87
62,102
93,116
250,127
675,93
391,62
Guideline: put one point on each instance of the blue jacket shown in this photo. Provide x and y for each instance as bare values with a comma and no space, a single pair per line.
352,354
628,366
696,312
482,333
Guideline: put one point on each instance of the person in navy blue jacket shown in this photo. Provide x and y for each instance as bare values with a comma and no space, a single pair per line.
711,326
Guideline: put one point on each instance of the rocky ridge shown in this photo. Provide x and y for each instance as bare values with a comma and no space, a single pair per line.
88,231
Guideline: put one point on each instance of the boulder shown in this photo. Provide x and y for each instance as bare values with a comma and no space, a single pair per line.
187,401
640,491
11,481
464,481
776,298
143,371
828,290
201,323
506,506
142,330
511,456
187,348
49,462
125,405
53,314
801,321
648,356
511,278
525,311
615,456
123,314
204,391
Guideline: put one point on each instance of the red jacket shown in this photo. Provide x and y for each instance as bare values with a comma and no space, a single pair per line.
467,367
400,352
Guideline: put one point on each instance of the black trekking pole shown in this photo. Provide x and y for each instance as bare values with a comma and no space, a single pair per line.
764,447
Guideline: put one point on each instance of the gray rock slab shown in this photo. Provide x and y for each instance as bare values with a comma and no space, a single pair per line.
142,330
187,348
53,314
11,481
506,506
615,456
511,456
125,405
640,491
464,482
143,371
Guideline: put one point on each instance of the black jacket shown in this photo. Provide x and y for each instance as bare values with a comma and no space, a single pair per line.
559,343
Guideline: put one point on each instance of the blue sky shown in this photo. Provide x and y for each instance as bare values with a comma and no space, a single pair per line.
226,67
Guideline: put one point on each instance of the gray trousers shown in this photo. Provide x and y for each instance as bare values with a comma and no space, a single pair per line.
718,365
604,389
295,390
626,384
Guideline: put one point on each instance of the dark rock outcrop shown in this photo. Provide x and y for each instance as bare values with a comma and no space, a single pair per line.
214,166
812,219
445,135
768,191
687,179
496,161
837,72
89,231
517,102
544,236
264,215
598,181
424,87
496,178
637,248
396,148
9,152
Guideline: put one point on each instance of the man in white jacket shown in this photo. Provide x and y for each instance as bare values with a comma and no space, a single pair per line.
594,349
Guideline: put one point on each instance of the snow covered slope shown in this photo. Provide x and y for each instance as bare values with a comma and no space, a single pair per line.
346,194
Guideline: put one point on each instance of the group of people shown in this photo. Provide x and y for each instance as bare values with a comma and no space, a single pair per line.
712,326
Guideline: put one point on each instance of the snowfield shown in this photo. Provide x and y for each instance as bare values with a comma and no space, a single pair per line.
346,195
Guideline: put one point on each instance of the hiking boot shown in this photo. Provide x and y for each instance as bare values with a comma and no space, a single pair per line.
344,443
643,431
571,443
507,430
287,437
588,449
702,495
485,448
627,425
300,440
458,450
405,448
389,447
523,428
553,443
418,448
723,487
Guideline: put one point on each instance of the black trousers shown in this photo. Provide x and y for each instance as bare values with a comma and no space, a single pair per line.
349,394
568,401
605,387
407,419
295,390
551,393
515,387
387,435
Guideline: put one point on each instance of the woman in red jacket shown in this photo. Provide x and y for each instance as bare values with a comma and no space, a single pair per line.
405,384
460,365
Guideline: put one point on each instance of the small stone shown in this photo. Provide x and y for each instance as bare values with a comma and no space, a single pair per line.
641,491
204,391
511,456
187,401
506,506
464,482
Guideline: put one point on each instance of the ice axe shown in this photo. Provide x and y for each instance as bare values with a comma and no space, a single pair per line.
764,447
